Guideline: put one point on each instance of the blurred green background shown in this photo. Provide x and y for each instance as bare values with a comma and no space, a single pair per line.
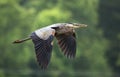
98,45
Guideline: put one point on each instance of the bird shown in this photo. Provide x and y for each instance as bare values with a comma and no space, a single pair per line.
43,41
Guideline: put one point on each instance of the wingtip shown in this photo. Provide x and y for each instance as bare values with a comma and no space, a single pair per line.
70,56
43,66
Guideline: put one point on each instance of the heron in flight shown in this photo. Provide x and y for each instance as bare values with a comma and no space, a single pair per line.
43,41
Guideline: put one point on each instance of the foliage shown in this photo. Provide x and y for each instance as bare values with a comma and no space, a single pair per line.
18,18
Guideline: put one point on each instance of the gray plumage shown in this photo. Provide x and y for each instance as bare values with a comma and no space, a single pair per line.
43,39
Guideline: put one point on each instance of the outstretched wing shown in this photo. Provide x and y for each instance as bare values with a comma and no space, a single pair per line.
67,43
43,49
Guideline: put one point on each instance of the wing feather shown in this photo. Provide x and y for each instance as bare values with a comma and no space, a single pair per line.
43,49
67,43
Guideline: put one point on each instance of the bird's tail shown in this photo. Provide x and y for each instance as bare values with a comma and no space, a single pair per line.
22,40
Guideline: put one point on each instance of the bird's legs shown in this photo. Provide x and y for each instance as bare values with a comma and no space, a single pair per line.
22,40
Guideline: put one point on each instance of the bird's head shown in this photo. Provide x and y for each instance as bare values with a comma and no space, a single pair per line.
77,25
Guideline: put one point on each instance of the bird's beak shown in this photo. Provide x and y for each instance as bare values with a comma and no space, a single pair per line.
79,25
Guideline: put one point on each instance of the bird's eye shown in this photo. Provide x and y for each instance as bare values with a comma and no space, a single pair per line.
70,23
55,28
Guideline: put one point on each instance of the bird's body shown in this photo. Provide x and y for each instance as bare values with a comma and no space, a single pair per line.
43,38
47,31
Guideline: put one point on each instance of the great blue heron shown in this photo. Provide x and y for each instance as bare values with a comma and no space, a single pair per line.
43,40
